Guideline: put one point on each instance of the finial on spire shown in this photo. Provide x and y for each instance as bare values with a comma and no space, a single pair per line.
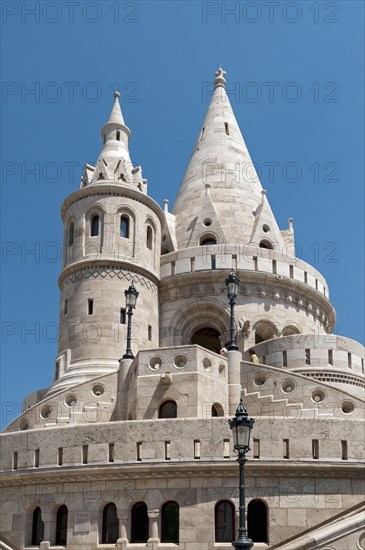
220,80
290,222
166,206
116,114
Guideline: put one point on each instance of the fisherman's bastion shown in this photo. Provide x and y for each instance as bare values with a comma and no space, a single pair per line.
130,447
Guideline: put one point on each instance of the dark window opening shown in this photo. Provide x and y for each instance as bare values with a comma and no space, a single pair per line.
207,338
170,522
224,521
213,263
315,449
226,127
307,356
71,234
59,456
285,359
138,449
61,525
150,332
85,452
37,527
208,241
265,243
124,227
118,135
167,450
217,410
149,237
111,452
257,521
264,330
140,523
110,531
344,450
15,460
168,409
94,228
122,315
286,448
36,458
256,448
65,304
90,307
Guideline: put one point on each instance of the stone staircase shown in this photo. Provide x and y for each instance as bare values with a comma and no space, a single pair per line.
267,406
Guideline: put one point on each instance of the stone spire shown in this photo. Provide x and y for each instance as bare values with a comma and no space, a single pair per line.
114,163
221,159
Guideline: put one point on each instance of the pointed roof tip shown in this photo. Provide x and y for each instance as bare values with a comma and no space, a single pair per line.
116,116
220,81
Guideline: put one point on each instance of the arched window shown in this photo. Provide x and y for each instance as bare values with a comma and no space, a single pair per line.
208,240
110,531
94,227
217,409
264,330
257,521
290,330
140,524
124,227
61,525
71,234
170,522
37,527
224,521
265,243
168,409
149,237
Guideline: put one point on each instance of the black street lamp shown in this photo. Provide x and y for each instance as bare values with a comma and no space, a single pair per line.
232,284
241,426
131,295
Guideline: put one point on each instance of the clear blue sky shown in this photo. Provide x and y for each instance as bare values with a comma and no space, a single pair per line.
295,71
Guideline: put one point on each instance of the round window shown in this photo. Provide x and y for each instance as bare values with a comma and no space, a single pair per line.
71,400
155,363
46,412
98,390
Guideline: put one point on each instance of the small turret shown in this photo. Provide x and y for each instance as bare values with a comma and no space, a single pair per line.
114,163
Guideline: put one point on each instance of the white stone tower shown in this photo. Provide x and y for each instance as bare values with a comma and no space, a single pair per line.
112,236
138,453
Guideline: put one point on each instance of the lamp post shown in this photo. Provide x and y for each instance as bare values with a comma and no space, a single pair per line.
232,284
131,295
241,426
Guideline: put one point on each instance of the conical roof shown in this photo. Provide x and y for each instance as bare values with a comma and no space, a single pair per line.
114,163
220,159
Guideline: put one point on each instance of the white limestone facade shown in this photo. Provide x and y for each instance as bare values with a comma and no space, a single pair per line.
137,453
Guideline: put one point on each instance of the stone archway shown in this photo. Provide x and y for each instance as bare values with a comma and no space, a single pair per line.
205,321
207,337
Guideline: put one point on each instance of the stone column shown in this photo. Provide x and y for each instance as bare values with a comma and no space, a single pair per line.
122,392
48,519
234,380
153,541
122,542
